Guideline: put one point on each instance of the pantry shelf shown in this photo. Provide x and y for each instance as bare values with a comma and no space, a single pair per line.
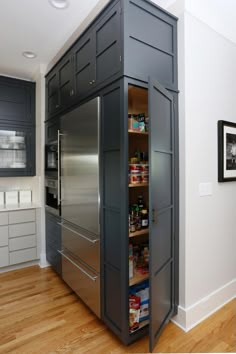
134,132
139,233
138,278
138,185
141,325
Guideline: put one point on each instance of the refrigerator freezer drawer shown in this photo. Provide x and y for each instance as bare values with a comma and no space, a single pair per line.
82,246
85,283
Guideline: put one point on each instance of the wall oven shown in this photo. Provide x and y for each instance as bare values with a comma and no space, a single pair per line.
52,195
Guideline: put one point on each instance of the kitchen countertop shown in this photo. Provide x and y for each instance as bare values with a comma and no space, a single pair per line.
19,207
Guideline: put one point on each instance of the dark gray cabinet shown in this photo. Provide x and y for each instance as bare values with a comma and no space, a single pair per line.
53,241
84,73
107,35
17,127
128,57
92,62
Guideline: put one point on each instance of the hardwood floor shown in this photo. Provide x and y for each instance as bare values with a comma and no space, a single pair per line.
40,314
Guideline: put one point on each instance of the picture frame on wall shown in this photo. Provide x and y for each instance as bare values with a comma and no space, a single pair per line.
226,151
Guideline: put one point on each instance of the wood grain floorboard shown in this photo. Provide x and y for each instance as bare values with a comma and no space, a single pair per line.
39,314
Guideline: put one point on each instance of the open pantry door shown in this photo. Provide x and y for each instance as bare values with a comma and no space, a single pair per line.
161,199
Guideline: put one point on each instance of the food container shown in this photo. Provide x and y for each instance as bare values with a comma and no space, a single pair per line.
11,197
135,178
25,196
133,123
1,198
144,177
144,167
134,168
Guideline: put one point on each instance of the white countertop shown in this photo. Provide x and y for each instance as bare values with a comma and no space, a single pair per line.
19,207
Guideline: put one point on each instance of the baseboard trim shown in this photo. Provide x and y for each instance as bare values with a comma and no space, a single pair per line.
188,318
43,263
19,266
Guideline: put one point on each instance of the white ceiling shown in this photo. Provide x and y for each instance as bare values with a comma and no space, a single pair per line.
36,26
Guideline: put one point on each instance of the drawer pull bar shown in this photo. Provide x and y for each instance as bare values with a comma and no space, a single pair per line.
76,265
77,233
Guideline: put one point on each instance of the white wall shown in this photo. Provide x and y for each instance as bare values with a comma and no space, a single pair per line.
207,224
40,142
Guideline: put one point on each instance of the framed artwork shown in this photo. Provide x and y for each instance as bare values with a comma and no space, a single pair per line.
226,151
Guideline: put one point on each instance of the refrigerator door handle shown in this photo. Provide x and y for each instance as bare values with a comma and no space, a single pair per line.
77,266
77,233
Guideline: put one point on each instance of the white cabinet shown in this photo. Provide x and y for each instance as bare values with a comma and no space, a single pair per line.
19,236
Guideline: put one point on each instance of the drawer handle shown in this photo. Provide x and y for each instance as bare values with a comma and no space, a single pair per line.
76,265
77,233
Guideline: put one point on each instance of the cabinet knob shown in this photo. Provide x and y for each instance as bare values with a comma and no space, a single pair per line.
57,105
71,92
90,82
93,81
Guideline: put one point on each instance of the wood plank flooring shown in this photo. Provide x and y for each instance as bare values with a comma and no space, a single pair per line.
39,314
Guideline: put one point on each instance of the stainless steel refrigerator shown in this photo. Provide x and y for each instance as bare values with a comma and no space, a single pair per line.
79,136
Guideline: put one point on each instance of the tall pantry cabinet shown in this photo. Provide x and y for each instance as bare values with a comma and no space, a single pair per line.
141,40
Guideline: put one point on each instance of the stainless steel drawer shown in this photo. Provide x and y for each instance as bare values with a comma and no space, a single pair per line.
82,246
85,283
3,236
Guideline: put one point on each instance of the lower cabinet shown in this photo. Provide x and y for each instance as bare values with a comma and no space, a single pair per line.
53,241
19,239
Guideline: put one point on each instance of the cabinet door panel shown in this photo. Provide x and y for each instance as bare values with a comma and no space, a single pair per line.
108,48
52,93
84,71
161,199
17,150
66,87
53,242
17,101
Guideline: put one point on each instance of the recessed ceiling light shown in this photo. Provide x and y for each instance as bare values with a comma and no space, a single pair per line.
59,4
29,55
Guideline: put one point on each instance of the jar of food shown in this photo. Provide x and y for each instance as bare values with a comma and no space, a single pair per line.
144,167
144,177
135,178
134,167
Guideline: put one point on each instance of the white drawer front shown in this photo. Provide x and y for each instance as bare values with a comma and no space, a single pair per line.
23,256
20,216
20,243
4,218
3,236
28,228
4,259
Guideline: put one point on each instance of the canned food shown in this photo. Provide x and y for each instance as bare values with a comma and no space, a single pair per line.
134,168
135,178
144,167
144,177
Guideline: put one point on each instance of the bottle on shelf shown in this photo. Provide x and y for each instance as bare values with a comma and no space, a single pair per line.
144,218
132,220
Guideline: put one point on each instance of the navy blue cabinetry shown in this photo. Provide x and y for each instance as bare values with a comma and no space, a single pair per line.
53,241
17,127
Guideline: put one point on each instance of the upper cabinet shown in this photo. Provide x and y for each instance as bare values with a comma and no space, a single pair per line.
92,62
107,35
17,127
17,101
